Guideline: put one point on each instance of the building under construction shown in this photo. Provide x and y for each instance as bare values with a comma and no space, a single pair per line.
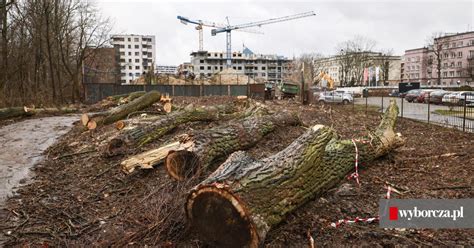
271,68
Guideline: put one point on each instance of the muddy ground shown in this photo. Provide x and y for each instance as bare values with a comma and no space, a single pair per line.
84,199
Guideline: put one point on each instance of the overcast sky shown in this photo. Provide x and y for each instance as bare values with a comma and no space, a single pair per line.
398,25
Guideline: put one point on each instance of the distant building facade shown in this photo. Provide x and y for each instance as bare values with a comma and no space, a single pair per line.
270,68
136,55
334,67
101,65
166,69
457,62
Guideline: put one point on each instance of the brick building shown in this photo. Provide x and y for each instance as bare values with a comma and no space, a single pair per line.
101,65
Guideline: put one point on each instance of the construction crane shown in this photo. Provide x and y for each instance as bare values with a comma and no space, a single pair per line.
229,28
199,24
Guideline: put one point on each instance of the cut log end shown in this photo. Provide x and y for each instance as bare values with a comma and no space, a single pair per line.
114,147
167,107
91,125
84,119
119,125
182,164
221,218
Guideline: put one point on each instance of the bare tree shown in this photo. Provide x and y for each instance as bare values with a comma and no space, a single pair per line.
437,47
44,43
353,57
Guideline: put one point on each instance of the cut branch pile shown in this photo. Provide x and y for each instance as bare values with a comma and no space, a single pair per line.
238,204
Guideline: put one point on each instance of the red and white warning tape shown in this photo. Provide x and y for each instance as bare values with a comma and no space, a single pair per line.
356,172
357,219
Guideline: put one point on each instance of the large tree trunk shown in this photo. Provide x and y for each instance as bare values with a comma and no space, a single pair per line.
237,204
122,111
145,132
198,150
7,113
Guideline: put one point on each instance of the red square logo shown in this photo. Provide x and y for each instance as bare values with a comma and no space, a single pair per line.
393,213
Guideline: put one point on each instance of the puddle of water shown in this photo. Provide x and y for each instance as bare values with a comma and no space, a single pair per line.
21,146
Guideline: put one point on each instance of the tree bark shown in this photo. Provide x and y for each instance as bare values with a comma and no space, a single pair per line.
143,133
244,197
122,111
7,113
198,150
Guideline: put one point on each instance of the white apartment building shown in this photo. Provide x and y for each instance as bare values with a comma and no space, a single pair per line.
136,55
267,67
166,69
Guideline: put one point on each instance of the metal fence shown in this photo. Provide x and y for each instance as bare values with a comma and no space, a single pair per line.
455,112
95,92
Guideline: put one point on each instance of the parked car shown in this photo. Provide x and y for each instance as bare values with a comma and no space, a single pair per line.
436,97
412,95
335,97
458,98
423,96
394,93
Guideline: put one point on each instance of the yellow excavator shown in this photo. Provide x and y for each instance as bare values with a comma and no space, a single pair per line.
324,76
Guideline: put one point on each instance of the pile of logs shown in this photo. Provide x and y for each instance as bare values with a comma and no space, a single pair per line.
240,200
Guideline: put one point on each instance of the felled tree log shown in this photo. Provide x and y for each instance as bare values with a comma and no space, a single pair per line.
198,150
7,113
237,204
145,132
120,112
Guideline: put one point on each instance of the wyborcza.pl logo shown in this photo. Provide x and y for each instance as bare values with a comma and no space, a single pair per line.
427,213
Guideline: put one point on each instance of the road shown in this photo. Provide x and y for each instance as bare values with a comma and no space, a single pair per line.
419,111
22,145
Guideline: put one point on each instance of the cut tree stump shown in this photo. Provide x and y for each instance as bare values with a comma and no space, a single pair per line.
198,150
143,133
237,204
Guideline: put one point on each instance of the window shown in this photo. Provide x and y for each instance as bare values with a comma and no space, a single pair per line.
263,74
263,68
129,67
446,55
458,74
201,67
459,54
130,74
130,60
445,65
145,67
129,46
137,67
129,39
451,73
137,60
130,53
137,46
122,60
135,39
240,68
137,53
209,68
201,61
118,39
459,64
452,64
137,74
215,67
445,74
417,67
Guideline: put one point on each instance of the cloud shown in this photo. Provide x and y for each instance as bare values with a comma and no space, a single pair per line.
399,25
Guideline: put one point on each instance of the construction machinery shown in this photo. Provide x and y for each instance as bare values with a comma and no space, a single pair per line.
229,28
327,79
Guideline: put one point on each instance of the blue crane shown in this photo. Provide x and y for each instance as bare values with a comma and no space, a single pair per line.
229,28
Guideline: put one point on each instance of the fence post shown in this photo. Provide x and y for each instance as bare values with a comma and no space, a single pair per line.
464,114
401,114
366,103
429,104
382,103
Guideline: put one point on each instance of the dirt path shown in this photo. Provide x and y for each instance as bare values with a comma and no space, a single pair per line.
21,146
